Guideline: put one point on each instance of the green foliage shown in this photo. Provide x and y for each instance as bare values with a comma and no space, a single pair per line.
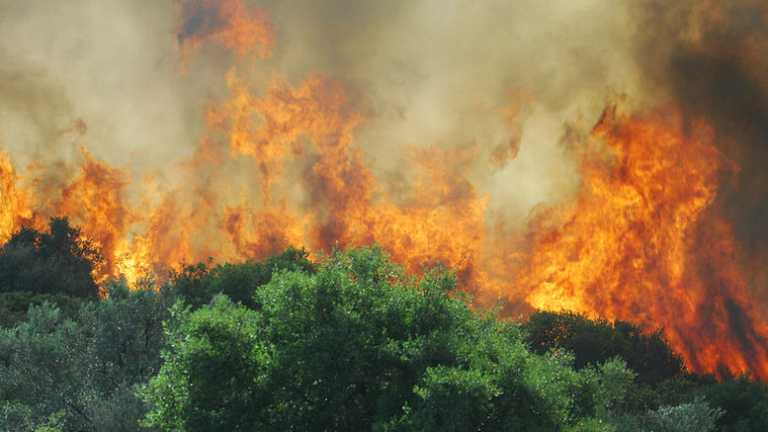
593,425
198,284
606,389
33,383
209,380
54,423
19,417
355,346
745,403
665,390
350,344
14,305
669,392
86,368
696,416
594,342
57,262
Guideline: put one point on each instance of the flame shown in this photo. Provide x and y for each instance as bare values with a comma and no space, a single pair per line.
227,22
442,222
346,207
642,243
15,210
642,240
254,231
94,201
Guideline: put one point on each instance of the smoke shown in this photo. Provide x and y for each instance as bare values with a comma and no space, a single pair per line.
138,84
709,58
228,22
113,64
422,73
449,131
442,72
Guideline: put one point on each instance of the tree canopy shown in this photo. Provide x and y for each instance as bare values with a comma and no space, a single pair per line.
347,343
595,341
198,284
60,261
360,346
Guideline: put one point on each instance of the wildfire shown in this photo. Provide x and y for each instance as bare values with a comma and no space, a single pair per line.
15,210
94,201
345,205
641,243
643,240
226,22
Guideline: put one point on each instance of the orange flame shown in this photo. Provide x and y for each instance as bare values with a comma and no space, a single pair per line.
227,22
642,240
14,203
94,200
346,206
642,243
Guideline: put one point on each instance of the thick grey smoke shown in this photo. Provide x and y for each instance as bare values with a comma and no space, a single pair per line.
710,58
509,80
111,64
437,72
424,73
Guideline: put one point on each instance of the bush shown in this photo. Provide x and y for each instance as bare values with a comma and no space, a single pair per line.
14,305
85,369
60,261
198,284
357,346
594,342
745,403
696,416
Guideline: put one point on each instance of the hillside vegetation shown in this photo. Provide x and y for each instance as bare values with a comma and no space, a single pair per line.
347,343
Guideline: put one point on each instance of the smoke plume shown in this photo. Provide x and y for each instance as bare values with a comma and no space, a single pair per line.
598,156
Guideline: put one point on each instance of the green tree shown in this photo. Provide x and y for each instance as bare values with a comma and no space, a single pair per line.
596,341
198,284
744,401
14,305
35,380
356,346
60,261
88,368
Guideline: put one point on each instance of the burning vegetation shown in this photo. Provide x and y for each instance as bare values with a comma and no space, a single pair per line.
663,227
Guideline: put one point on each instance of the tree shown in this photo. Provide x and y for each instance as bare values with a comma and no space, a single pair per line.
745,404
356,346
14,305
85,369
198,284
118,348
594,342
695,416
35,380
60,261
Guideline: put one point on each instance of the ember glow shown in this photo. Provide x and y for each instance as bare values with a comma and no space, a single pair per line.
602,188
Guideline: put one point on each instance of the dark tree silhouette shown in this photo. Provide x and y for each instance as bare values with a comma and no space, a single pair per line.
198,284
594,342
60,261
